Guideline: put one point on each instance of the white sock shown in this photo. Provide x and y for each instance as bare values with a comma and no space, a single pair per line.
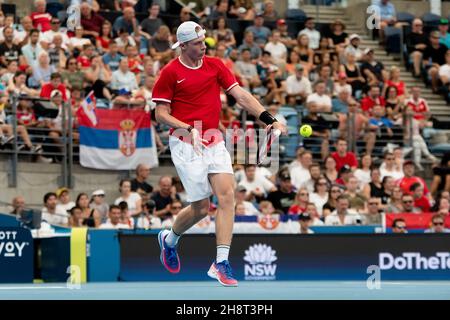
222,253
172,239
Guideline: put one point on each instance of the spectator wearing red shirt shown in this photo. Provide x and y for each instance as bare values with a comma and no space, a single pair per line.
409,179
418,104
91,21
394,80
54,84
300,203
420,201
373,98
344,157
41,19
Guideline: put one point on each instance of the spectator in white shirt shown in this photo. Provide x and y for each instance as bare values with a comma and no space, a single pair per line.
133,199
123,78
46,38
320,98
313,34
354,47
249,208
257,186
114,219
63,196
300,174
341,216
298,85
363,173
444,70
389,169
51,213
437,225
320,195
277,49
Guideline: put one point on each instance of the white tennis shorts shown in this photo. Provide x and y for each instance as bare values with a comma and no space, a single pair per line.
193,169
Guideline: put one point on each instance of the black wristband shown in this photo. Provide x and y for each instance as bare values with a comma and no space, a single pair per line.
267,118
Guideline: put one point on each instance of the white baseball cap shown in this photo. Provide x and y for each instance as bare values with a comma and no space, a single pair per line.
188,31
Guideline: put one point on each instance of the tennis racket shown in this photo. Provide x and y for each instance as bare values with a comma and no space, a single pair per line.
265,146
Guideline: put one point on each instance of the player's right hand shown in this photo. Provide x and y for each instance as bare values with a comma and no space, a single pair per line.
197,141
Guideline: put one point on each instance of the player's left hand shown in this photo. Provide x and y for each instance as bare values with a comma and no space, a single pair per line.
281,127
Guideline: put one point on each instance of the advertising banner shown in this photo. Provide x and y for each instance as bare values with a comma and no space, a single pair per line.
295,257
16,255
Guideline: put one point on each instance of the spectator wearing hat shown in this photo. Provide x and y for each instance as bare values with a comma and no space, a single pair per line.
140,182
305,221
372,70
399,226
114,221
248,207
338,37
64,202
260,32
416,43
342,216
344,175
298,85
437,225
443,33
434,58
354,47
277,49
98,203
311,32
283,198
51,213
285,37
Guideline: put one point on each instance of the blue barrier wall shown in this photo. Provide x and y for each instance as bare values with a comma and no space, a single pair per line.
103,255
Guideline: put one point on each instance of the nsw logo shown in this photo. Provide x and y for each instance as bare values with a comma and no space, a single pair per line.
259,264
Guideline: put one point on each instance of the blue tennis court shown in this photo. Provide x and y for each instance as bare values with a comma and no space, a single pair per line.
247,290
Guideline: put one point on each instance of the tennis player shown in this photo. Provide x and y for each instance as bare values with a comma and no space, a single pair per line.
187,94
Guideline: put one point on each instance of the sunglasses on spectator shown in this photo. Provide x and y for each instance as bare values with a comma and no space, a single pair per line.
304,194
400,227
390,159
56,22
438,223
373,203
407,201
418,25
335,190
322,184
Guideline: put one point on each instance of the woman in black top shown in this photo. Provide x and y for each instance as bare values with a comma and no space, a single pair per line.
354,76
394,106
375,188
91,218
338,37
416,42
330,206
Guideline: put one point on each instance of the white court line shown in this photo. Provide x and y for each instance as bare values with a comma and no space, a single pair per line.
30,288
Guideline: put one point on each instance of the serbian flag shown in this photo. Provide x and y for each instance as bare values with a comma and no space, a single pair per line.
116,139
88,106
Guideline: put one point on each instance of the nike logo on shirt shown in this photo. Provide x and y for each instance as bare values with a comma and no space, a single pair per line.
180,81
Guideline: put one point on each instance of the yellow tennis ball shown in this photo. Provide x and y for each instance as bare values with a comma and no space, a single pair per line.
210,42
306,130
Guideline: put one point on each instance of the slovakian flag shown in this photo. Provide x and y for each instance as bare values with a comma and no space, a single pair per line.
116,139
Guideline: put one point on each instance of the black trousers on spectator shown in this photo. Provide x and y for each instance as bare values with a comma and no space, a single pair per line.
97,87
